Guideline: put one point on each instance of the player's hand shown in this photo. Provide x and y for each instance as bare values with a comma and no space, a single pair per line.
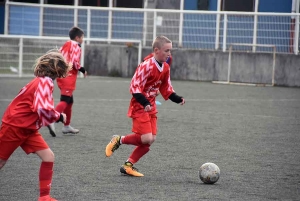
148,108
85,74
64,117
182,102
70,66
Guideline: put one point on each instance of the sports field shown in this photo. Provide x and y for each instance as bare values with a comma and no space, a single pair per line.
251,133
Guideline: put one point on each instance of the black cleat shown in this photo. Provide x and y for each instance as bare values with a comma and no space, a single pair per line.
51,128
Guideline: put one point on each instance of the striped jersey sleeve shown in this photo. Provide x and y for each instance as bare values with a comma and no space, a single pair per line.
43,102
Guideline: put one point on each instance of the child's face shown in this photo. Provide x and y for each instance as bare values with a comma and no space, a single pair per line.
163,53
79,39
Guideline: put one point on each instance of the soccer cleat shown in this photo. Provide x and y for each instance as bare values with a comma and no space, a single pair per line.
69,129
113,145
128,169
46,198
51,128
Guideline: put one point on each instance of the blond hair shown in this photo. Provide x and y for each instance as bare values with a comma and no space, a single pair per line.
159,41
52,64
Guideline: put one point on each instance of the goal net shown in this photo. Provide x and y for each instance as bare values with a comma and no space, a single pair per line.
250,68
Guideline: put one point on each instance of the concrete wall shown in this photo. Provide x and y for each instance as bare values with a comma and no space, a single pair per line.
199,65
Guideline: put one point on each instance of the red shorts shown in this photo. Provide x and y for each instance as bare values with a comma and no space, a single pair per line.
146,123
66,92
12,137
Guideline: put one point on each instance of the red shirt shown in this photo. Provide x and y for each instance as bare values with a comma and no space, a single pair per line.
149,79
33,107
72,53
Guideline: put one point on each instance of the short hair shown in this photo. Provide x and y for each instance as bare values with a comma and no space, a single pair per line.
159,41
51,64
74,32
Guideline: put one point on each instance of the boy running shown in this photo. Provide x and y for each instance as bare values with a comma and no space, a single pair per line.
31,109
151,77
71,50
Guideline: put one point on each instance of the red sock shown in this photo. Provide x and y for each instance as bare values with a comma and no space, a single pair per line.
45,177
61,106
138,152
68,112
133,139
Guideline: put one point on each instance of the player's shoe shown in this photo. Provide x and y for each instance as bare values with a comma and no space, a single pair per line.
113,145
128,169
46,198
51,128
69,129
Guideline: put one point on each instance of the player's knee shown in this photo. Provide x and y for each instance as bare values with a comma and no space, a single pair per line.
2,163
147,139
50,157
153,139
46,155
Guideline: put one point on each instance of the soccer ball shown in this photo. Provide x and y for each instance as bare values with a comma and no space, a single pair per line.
209,173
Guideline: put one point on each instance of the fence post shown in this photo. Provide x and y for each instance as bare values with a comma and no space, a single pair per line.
145,23
75,12
296,31
109,31
255,26
41,18
20,57
6,17
88,25
154,24
296,36
218,25
181,23
224,32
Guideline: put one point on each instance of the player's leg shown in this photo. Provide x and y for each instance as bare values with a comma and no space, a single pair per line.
68,111
9,142
36,144
141,125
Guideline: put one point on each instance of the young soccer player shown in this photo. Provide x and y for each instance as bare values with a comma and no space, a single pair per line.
31,109
151,77
72,53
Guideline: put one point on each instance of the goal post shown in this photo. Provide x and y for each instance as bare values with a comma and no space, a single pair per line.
229,66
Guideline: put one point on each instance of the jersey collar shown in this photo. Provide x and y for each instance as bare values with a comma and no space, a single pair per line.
157,65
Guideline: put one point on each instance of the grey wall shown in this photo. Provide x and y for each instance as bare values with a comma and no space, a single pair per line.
199,65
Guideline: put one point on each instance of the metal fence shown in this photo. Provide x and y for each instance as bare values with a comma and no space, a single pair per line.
210,30
19,53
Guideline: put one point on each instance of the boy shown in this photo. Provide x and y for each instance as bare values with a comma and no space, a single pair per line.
151,77
31,109
71,50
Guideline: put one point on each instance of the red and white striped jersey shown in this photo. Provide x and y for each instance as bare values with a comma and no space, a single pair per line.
33,107
150,79
72,53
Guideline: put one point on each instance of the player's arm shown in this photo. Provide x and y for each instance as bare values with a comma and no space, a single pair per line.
176,99
168,92
139,97
43,103
83,71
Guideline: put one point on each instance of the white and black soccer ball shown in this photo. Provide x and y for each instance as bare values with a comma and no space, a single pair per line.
209,173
